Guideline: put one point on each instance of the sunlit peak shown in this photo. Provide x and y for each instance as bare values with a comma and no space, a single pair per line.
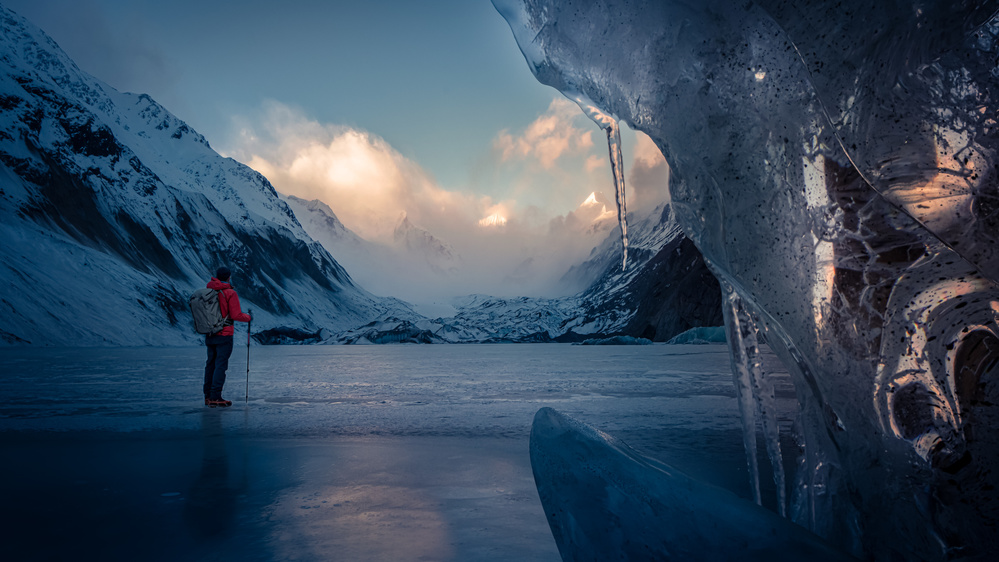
591,200
494,219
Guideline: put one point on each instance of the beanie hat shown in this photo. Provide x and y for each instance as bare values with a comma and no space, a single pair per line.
222,273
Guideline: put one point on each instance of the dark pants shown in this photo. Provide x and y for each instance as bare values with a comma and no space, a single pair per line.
219,350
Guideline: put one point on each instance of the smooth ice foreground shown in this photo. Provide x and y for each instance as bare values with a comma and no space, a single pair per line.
837,163
625,504
343,452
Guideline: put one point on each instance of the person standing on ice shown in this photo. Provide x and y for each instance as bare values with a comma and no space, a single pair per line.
220,343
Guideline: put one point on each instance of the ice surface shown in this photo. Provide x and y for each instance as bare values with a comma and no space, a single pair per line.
601,496
390,452
837,163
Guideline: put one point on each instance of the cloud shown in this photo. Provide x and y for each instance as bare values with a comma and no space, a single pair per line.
369,184
561,157
648,179
364,179
594,162
549,137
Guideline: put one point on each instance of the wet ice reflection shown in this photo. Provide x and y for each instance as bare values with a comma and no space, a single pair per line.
343,452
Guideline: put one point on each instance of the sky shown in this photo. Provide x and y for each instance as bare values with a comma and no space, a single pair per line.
377,108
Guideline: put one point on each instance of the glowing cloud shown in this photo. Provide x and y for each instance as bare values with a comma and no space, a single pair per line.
549,137
370,185
594,162
648,179
366,181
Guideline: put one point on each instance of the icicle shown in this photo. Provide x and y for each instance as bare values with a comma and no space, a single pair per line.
755,392
609,124
732,308
766,407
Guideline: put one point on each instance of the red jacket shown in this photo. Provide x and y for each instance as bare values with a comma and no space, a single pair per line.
229,303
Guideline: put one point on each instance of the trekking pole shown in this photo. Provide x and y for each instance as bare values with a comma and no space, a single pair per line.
246,399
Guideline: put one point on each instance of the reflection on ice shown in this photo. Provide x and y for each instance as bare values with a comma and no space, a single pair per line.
343,452
210,506
837,163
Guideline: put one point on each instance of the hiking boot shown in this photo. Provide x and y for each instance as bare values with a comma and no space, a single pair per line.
207,400
220,403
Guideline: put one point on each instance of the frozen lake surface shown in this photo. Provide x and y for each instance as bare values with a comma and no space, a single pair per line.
341,453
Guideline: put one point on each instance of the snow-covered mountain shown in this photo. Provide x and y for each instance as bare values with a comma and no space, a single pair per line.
354,253
415,254
595,215
648,233
112,210
322,224
417,242
665,290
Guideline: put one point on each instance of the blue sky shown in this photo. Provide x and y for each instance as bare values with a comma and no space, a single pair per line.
376,107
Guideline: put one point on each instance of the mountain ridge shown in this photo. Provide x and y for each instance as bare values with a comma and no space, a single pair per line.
665,290
118,209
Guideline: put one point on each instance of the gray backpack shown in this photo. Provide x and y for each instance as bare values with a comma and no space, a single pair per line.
206,311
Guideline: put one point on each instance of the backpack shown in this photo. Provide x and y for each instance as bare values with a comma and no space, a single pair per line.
206,311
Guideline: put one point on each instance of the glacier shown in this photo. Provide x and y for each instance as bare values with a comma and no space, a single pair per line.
836,164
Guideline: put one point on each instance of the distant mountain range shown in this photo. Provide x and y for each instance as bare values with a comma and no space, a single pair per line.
665,289
112,210
414,253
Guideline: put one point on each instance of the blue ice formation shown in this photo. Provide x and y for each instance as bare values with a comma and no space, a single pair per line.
601,497
837,164
617,340
699,335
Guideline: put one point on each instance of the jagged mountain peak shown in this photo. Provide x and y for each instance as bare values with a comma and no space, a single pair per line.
403,224
321,223
315,205
417,239
595,198
32,57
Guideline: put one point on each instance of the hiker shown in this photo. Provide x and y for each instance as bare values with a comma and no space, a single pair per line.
220,343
